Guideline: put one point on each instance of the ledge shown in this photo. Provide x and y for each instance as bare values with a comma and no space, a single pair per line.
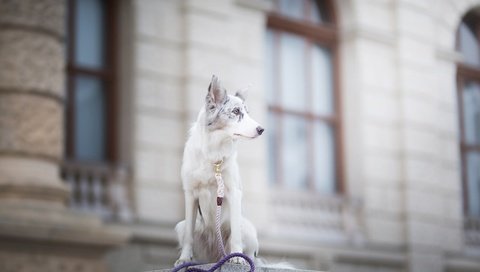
261,5
28,225
241,268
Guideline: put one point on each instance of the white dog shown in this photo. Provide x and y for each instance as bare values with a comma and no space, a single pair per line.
213,140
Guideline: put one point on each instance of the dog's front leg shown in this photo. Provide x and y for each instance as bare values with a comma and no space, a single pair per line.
236,245
190,218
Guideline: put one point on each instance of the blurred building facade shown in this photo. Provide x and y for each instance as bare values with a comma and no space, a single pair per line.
370,160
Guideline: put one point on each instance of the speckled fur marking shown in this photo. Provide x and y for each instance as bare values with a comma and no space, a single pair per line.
219,116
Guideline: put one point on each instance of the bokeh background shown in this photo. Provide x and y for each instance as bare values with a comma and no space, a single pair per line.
370,160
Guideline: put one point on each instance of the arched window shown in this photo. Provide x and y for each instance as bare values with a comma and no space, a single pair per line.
303,96
468,80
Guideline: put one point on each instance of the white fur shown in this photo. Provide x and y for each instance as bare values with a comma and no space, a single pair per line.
196,234
246,128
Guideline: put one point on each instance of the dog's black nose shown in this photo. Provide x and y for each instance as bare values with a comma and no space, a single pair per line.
260,130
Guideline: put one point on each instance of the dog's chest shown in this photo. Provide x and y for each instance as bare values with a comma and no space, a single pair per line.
207,201
204,184
203,175
204,189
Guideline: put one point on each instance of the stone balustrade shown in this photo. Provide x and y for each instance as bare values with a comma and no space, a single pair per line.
99,189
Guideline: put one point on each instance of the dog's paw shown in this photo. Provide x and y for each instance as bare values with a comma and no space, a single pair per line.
238,260
182,261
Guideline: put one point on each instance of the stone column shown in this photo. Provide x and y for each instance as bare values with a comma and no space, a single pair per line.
31,101
35,225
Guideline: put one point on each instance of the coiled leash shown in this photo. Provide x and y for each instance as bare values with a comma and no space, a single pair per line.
217,167
216,266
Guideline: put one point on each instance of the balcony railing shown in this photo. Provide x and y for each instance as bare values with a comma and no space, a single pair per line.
472,231
98,189
303,215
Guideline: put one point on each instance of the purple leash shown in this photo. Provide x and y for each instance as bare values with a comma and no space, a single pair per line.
216,266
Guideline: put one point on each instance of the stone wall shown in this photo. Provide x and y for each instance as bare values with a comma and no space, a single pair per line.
400,122
431,165
37,232
159,109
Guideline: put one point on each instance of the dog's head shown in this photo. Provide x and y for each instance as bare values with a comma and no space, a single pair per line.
229,113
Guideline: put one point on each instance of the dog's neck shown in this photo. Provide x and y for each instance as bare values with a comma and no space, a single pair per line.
216,145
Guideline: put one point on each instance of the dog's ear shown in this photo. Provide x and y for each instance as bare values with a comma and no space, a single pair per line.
243,93
216,94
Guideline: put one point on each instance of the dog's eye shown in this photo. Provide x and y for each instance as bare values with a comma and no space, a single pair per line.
236,111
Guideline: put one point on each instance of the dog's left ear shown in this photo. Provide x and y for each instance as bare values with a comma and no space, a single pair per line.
242,94
216,94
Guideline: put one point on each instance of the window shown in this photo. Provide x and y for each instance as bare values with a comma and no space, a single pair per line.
98,185
90,123
468,79
303,96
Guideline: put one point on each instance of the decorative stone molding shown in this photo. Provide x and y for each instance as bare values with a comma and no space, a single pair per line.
472,231
448,55
30,125
35,238
45,16
38,261
31,62
31,192
362,32
98,189
261,5
314,217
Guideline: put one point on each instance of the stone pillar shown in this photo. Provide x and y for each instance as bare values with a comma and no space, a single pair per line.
428,129
35,225
31,101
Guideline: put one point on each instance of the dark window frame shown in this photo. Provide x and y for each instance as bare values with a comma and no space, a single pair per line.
466,73
107,75
326,35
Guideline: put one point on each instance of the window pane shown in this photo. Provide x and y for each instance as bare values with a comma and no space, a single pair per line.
324,143
469,46
292,8
271,63
322,80
89,30
293,69
294,148
471,113
317,11
473,183
89,119
273,153
302,10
